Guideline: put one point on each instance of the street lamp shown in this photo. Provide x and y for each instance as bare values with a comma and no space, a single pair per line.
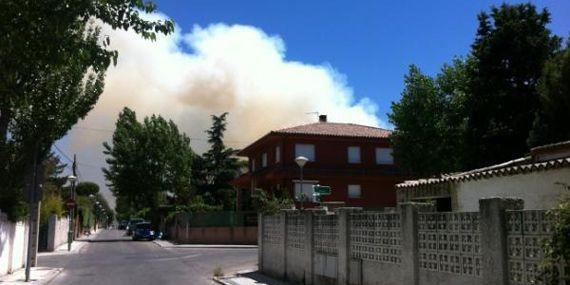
301,161
71,179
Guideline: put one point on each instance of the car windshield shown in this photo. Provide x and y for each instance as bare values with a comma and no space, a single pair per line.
144,226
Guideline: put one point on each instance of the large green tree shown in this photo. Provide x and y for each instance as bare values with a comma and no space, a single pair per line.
429,120
552,120
511,48
86,188
217,167
53,59
149,164
480,111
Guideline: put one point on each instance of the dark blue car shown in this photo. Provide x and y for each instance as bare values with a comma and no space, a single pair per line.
143,231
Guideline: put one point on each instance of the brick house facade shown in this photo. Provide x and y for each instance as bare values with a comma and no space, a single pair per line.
354,160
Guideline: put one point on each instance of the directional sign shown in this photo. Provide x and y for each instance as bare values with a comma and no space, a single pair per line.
70,203
322,190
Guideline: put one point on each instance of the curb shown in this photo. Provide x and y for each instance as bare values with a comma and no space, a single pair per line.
229,246
220,281
52,277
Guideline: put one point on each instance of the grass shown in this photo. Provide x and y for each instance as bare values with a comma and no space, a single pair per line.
218,272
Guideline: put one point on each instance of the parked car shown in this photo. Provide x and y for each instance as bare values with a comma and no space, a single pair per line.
132,223
123,225
143,231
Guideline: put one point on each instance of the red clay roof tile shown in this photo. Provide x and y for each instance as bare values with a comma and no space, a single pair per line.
336,129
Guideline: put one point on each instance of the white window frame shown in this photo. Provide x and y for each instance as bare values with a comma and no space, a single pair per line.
277,154
383,151
354,187
253,165
264,159
306,150
356,158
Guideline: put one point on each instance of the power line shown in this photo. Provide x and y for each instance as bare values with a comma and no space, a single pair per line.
112,131
68,159
62,153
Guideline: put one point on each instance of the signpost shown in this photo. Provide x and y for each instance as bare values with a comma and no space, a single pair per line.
320,190
70,203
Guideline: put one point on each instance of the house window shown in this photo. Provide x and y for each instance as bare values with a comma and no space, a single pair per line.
264,159
306,150
307,190
277,154
353,154
252,165
384,156
354,191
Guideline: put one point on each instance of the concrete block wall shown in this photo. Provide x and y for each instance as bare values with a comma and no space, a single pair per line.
500,244
13,246
58,229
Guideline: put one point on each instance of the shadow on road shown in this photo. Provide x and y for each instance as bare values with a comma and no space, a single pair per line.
111,240
263,279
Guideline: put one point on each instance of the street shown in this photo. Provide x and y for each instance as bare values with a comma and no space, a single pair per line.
112,258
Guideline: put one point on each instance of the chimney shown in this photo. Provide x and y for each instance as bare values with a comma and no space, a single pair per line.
322,118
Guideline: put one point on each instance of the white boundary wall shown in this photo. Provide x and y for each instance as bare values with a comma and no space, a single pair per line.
57,232
12,245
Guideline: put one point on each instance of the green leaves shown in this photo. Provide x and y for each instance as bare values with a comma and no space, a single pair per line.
217,167
510,50
53,60
149,163
480,111
551,121
428,121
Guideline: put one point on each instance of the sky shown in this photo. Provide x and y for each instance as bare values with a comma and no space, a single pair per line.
272,64
371,42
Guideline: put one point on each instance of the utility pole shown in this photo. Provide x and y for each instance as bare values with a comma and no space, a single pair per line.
72,179
34,198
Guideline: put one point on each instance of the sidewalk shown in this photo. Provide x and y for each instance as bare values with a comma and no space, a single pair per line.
168,244
43,275
251,277
38,275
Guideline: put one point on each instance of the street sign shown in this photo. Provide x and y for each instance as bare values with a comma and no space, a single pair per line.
322,190
70,203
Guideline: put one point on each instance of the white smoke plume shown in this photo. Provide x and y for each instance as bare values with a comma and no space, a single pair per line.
220,68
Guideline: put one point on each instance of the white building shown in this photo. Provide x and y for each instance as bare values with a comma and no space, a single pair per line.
540,179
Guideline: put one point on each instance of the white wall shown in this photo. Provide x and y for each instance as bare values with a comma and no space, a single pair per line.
13,245
537,189
57,232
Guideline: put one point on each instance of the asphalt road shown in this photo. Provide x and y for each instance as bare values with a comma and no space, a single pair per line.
112,258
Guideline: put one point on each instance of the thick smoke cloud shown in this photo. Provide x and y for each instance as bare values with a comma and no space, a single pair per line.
187,77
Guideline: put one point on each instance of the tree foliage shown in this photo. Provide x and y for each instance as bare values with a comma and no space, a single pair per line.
53,59
52,202
429,120
557,248
551,120
510,50
87,188
149,164
217,167
480,111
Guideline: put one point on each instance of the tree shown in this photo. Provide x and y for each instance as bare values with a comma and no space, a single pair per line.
53,60
52,202
149,164
218,167
429,121
510,50
87,188
551,120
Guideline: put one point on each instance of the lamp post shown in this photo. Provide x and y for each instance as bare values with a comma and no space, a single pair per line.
301,161
71,179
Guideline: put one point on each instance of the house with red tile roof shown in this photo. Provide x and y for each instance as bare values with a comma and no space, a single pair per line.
354,160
